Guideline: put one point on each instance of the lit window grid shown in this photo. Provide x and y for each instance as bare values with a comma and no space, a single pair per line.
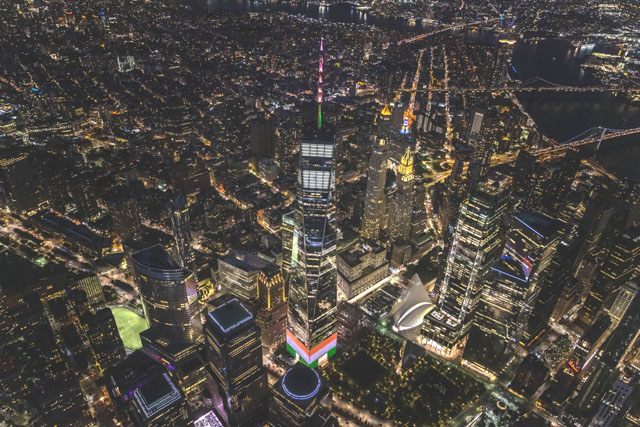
309,149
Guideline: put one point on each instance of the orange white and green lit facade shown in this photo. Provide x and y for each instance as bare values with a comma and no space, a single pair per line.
312,328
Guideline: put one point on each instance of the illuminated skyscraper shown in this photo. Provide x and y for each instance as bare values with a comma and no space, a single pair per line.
313,286
401,222
235,354
272,311
476,245
170,301
286,235
374,197
238,274
181,228
312,333
515,279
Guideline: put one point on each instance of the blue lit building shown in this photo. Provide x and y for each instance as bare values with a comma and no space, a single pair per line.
296,399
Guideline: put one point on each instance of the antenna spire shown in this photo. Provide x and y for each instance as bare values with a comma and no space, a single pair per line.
319,96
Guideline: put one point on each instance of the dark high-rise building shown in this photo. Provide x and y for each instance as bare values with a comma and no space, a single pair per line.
54,174
296,399
271,317
20,190
562,179
529,376
125,213
602,365
262,137
145,394
516,278
476,245
170,301
451,200
559,282
178,119
568,296
82,193
353,322
419,211
593,225
525,179
311,333
101,330
235,354
181,228
374,201
617,268
287,143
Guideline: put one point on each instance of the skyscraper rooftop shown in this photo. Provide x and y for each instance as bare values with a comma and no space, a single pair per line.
301,383
230,316
156,258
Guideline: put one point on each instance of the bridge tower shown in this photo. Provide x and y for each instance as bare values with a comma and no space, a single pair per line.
604,131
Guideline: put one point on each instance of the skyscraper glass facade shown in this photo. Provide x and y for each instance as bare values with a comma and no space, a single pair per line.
312,332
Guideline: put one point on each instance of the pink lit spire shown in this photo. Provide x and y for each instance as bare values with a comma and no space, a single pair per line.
319,96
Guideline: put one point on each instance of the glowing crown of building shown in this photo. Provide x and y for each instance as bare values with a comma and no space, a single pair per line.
405,124
405,168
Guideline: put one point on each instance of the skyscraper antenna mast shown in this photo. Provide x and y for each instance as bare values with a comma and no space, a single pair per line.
320,67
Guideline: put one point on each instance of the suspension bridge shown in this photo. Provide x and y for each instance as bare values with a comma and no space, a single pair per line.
589,136
536,84
439,30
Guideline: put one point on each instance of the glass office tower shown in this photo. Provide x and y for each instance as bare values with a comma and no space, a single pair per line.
516,278
312,333
169,296
476,245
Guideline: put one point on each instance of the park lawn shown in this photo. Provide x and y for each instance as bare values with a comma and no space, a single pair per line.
431,392
130,325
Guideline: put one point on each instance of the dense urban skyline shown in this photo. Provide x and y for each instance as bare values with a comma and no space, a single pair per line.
319,213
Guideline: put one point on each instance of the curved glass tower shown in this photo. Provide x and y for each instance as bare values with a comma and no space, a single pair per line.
169,296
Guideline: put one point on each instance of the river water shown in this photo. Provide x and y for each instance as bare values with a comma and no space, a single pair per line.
558,115
564,115
340,12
